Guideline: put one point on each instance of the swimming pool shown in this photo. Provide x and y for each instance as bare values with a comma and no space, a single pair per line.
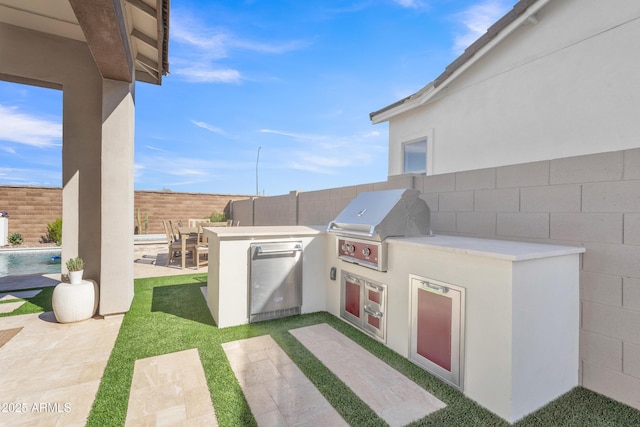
29,261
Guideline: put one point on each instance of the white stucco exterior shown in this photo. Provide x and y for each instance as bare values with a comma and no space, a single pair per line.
558,83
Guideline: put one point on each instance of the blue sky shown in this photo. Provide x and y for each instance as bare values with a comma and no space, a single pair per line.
296,78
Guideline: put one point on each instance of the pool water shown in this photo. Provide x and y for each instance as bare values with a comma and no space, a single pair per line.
14,263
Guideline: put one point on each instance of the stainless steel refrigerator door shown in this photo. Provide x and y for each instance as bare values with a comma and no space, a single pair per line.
276,276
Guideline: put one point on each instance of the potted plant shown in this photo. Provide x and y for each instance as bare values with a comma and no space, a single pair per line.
77,300
76,268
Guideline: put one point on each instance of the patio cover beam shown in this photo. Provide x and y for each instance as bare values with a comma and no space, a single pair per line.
103,24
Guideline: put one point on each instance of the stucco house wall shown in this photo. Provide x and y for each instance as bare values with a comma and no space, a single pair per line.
561,87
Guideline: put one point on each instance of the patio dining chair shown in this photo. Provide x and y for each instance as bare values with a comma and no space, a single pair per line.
173,229
174,244
202,247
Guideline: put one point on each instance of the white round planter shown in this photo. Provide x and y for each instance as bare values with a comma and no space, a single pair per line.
74,303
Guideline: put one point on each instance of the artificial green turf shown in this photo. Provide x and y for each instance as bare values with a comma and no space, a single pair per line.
169,314
37,304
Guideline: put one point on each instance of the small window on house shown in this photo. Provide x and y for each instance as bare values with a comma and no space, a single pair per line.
415,156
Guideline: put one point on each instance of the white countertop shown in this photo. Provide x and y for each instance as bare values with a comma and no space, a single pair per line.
501,249
279,231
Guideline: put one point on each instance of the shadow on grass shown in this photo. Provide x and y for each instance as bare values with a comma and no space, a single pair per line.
179,301
37,304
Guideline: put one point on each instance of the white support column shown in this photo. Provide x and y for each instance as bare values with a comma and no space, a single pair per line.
116,274
81,171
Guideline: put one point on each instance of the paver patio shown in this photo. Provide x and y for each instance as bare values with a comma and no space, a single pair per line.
51,371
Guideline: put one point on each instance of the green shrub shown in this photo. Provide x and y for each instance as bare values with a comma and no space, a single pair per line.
54,231
75,264
15,239
217,217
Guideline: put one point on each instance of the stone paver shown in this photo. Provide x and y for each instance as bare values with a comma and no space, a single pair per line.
170,390
391,395
51,371
7,334
8,307
277,392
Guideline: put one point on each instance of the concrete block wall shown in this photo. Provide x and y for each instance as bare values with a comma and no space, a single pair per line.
591,201
32,208
277,210
242,211
178,207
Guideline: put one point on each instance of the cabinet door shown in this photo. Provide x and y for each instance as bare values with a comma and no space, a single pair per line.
352,294
433,327
437,328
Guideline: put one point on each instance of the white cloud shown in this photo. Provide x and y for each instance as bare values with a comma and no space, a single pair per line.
217,42
208,127
328,154
207,46
188,172
30,176
298,136
27,129
202,74
274,48
8,150
164,168
411,4
477,19
372,134
207,40
150,147
319,164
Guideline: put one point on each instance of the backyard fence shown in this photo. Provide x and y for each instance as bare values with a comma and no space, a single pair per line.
32,208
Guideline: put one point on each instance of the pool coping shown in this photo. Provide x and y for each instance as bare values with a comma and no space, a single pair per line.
29,249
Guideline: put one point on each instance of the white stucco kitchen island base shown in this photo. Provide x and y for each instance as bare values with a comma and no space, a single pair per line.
521,315
228,274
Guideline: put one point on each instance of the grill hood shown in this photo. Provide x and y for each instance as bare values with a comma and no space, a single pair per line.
377,215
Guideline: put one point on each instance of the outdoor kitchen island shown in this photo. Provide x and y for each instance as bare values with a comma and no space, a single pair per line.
515,342
505,313
233,251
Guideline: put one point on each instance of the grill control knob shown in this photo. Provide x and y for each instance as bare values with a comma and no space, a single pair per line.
348,248
366,252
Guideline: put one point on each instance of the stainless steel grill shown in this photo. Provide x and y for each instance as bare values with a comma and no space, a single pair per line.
372,217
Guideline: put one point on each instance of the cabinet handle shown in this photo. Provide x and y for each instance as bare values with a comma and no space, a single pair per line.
296,248
374,287
434,288
373,313
351,279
